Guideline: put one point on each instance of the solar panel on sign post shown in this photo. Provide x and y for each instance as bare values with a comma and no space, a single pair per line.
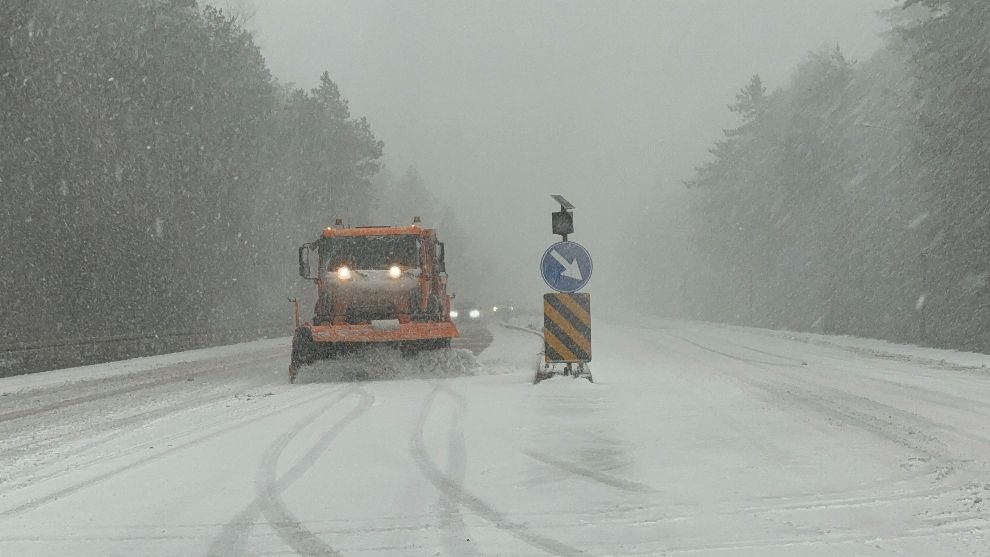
564,204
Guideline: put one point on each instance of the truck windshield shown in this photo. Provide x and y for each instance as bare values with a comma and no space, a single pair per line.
370,252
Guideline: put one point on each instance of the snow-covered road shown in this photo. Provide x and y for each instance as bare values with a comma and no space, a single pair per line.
695,439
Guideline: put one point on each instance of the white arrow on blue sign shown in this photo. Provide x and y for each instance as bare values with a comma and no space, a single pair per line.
566,266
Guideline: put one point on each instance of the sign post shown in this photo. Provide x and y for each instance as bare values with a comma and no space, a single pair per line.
566,267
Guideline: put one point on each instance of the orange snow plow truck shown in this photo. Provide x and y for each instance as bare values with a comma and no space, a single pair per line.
375,284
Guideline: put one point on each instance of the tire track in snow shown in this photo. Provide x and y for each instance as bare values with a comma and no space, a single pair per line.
827,400
457,538
110,431
906,429
232,540
120,426
832,396
792,363
781,393
659,513
292,532
593,475
941,398
871,415
458,495
550,460
879,422
885,496
58,494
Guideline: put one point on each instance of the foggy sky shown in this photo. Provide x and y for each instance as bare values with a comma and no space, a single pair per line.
499,104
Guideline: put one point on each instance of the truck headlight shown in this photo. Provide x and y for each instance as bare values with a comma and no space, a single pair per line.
394,271
343,273
453,314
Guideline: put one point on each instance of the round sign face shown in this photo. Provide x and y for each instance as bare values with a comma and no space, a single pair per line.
566,266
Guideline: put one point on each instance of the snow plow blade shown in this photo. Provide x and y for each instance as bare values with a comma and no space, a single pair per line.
313,343
383,331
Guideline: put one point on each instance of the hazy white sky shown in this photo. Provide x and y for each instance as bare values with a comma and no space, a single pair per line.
501,103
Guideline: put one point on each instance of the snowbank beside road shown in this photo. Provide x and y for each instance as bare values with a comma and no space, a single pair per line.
882,349
935,357
58,377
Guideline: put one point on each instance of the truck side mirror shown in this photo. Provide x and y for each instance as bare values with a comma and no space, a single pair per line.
304,261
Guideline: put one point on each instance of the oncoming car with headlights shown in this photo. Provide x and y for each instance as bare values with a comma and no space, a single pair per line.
503,310
467,312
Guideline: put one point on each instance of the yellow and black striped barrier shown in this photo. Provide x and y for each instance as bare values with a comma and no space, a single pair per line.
567,327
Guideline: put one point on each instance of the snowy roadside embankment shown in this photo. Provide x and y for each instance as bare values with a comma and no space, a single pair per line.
882,349
142,365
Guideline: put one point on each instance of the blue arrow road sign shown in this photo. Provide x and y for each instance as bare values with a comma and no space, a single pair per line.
566,266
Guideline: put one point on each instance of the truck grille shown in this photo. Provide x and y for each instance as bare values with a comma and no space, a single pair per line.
365,314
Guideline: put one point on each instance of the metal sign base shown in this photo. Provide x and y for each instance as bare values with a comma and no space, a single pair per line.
545,371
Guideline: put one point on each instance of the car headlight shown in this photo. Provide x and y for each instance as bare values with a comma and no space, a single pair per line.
474,314
343,273
494,308
394,271
453,314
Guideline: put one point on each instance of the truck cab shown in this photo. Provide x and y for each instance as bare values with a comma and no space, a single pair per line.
380,273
